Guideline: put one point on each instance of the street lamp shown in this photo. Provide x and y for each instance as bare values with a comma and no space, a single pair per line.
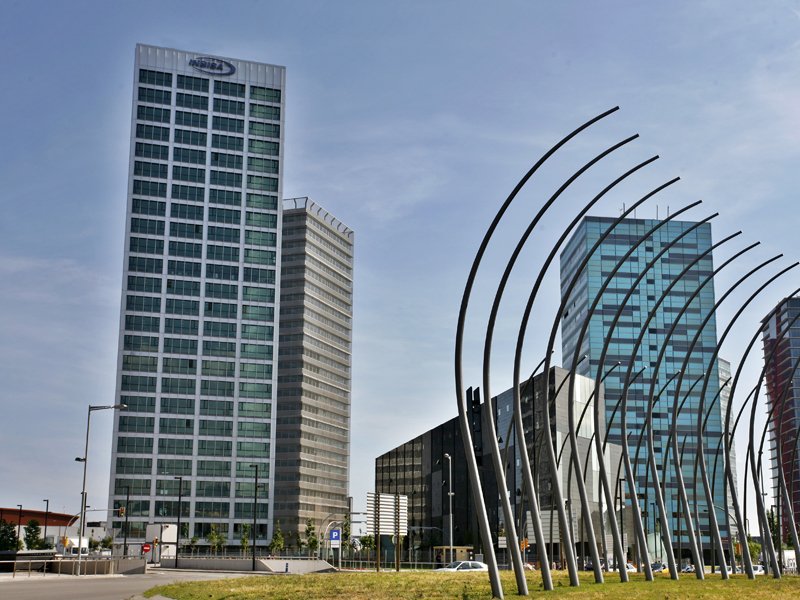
127,511
19,523
180,504
255,513
450,498
83,459
46,517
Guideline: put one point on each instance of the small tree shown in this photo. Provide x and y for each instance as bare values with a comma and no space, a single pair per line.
93,544
245,538
8,536
311,540
346,532
754,547
33,535
193,544
277,544
368,543
215,539
107,542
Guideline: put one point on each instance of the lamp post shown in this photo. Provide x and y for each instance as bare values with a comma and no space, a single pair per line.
449,460
125,536
180,504
46,517
255,513
83,459
19,523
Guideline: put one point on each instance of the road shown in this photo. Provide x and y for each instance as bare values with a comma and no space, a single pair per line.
115,587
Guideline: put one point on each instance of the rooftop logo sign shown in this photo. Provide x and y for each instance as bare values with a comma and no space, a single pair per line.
212,66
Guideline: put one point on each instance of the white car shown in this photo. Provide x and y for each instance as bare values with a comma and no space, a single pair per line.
758,570
464,565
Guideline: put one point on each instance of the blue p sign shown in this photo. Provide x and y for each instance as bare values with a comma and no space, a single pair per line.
336,535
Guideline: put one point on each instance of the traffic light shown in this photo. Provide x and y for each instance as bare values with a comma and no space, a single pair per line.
121,510
155,541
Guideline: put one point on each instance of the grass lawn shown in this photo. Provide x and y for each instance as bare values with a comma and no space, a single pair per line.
471,586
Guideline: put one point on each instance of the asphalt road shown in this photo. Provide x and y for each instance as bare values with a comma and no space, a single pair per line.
115,587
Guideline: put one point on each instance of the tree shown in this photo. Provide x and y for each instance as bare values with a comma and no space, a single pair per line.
215,539
245,538
311,541
107,542
93,544
277,544
346,532
368,543
8,537
193,544
755,549
33,535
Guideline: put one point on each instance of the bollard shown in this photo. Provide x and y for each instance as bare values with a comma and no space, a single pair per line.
286,568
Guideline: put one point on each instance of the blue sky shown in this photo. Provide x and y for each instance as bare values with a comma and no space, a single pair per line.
410,122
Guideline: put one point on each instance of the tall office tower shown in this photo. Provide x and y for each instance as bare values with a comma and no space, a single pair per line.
313,399
781,341
652,287
196,343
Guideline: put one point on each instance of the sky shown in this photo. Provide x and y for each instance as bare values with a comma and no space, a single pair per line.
411,122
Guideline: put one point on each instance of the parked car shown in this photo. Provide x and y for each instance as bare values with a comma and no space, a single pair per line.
464,565
658,567
688,569
758,570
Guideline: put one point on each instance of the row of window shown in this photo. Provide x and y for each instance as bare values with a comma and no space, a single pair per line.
226,216
208,387
207,489
198,138
141,187
184,446
134,343
139,465
201,84
220,291
183,426
177,306
144,323
188,366
200,120
158,208
195,250
186,406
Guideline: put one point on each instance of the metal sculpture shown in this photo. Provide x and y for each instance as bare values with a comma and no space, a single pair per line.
655,475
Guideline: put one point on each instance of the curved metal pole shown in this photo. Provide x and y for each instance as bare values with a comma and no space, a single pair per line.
678,473
767,539
728,435
516,555
562,515
466,434
527,475
564,443
571,410
710,499
684,367
541,441
643,330
700,438
781,475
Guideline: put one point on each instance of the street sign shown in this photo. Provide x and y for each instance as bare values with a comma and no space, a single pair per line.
502,542
336,538
384,506
145,548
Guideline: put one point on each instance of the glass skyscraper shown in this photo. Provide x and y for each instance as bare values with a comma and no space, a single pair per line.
644,298
196,363
781,340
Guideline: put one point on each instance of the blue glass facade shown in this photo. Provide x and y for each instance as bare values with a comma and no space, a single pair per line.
624,335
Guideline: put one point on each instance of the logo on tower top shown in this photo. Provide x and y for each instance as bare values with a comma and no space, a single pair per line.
212,66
